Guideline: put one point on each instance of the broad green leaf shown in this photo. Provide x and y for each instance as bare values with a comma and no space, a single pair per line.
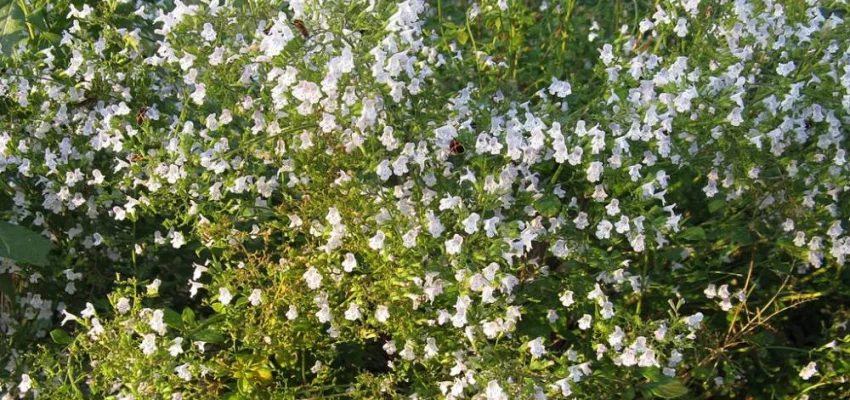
23,245
208,336
694,233
548,206
740,235
264,373
661,385
12,25
188,316
172,319
653,374
59,336
669,389
36,19
462,37
244,385
716,204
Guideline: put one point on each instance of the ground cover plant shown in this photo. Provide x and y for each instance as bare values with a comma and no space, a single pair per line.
263,199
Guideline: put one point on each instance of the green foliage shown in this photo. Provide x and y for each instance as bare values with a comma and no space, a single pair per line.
12,25
23,245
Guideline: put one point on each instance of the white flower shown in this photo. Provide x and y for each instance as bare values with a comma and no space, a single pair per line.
193,288
123,305
594,171
494,391
292,313
567,298
353,312
607,310
156,323
431,349
256,297
564,386
308,92
584,322
324,314
68,317
224,295
606,54
148,345
407,352
177,240
435,226
26,384
199,94
809,370
333,217
786,68
382,314
694,321
710,291
660,332
691,6
581,221
560,88
377,242
681,28
577,372
176,347
470,223
453,245
199,269
88,312
349,263
183,372
735,118
389,347
536,348
384,171
603,229
208,33
313,278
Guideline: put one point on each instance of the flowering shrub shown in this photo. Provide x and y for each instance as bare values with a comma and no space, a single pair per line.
380,199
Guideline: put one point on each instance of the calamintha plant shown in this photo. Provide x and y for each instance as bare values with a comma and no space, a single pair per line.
263,199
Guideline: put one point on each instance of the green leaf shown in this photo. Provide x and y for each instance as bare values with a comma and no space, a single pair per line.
188,316
59,336
716,204
172,319
669,389
7,287
12,28
694,233
548,206
653,374
23,245
661,385
36,19
462,37
244,385
740,235
208,336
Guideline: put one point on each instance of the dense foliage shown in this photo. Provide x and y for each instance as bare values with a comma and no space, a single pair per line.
445,199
